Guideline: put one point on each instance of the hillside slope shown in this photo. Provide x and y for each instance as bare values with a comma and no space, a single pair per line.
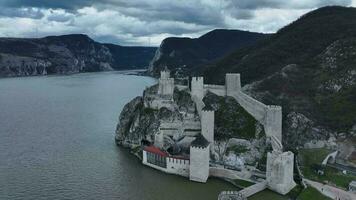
308,67
67,54
187,54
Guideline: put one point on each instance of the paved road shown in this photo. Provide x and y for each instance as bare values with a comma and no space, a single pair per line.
330,191
350,170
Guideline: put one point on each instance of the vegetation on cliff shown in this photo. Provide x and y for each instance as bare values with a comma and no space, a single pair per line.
185,55
308,67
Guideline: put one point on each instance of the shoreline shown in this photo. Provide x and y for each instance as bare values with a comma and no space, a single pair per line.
137,72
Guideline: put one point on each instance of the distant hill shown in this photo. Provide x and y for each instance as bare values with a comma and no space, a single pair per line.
187,54
67,54
309,67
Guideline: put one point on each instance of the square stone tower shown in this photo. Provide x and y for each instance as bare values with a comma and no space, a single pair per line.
207,124
279,172
197,87
199,160
166,84
233,84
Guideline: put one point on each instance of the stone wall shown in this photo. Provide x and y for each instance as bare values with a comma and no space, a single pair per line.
229,174
207,125
199,163
181,87
178,166
199,104
159,103
174,165
219,90
269,116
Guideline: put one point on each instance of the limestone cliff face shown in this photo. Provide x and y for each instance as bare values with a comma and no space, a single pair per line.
67,54
138,124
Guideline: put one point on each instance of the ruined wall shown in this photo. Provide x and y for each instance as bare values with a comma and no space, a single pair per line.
199,163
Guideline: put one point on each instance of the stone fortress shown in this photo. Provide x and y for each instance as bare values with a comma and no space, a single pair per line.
200,129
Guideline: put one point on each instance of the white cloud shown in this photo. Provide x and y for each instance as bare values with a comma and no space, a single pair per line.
142,22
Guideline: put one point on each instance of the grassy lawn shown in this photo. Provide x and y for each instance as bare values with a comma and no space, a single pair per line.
316,156
268,195
311,193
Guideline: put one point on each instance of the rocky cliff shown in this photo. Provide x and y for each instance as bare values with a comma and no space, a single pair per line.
67,54
184,55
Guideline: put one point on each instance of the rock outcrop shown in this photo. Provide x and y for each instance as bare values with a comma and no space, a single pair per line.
185,55
67,54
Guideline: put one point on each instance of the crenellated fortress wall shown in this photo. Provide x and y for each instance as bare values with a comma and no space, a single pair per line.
270,116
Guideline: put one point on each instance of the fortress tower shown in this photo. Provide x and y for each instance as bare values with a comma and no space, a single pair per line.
166,84
207,124
199,159
279,174
197,87
233,84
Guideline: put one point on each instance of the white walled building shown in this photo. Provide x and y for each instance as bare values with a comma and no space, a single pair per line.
160,160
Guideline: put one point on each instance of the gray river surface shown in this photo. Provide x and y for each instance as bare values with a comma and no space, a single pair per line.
57,142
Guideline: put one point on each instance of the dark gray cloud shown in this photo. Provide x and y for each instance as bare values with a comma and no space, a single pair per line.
21,12
143,22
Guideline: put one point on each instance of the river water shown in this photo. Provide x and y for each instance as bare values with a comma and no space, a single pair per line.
57,142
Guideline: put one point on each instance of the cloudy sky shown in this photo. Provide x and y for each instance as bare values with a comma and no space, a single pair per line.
147,22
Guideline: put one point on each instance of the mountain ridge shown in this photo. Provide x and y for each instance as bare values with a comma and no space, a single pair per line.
184,55
66,54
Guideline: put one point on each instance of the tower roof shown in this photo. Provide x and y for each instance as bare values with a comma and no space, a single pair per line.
166,69
200,141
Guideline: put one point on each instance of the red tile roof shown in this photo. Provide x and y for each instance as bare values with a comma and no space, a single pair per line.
155,150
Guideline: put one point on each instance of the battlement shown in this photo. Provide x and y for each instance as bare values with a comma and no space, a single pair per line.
274,107
198,79
208,110
165,74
